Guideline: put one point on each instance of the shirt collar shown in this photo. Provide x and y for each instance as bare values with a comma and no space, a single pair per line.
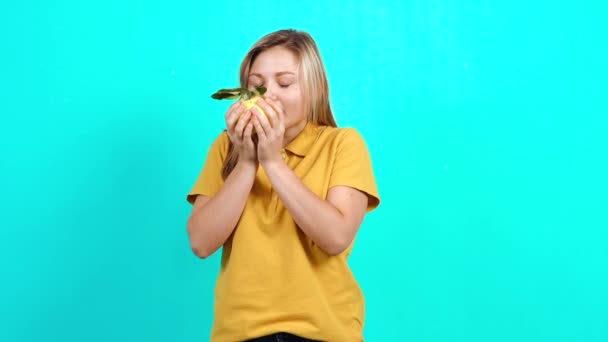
304,140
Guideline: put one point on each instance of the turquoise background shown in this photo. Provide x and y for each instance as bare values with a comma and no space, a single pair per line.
486,121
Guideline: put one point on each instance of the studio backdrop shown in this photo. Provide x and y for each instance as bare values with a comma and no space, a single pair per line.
485,120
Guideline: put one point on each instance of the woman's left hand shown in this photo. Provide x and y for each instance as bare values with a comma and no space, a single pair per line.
270,131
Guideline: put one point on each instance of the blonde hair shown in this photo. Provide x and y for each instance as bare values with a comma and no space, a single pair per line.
315,89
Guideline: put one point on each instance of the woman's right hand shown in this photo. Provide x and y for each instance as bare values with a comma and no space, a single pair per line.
240,131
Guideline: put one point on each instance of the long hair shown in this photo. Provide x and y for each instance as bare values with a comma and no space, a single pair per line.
315,90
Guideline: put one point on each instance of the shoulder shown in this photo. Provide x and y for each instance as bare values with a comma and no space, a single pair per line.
222,138
343,135
221,141
339,132
219,145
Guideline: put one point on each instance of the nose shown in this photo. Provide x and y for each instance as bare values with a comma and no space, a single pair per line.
271,91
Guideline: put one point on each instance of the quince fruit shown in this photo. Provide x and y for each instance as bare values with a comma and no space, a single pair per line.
248,97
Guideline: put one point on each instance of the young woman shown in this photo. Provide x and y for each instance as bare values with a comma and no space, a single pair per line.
284,193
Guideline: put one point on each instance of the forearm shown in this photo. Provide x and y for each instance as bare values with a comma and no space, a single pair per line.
320,220
211,225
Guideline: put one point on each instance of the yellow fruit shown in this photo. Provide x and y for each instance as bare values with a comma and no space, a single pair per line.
252,103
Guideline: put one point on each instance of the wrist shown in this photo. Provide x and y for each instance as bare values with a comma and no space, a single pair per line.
247,166
271,164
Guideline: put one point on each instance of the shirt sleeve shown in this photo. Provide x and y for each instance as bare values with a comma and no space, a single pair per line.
209,180
353,168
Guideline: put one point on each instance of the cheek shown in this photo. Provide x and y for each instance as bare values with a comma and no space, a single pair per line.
292,105
293,111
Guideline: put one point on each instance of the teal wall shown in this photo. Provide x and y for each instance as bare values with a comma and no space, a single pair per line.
485,120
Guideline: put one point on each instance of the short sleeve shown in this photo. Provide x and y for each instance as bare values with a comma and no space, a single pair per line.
353,168
209,180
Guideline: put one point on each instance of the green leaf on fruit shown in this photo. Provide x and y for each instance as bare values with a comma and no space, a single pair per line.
235,93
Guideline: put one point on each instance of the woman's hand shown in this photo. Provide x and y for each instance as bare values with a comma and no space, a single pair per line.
240,128
270,131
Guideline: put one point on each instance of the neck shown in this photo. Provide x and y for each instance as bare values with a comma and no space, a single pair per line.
292,132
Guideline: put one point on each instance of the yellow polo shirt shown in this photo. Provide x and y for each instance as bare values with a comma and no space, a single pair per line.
273,278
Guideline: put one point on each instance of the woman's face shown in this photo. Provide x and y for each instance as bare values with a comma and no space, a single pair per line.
277,70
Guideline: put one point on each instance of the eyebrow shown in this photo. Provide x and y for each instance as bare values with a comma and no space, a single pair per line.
276,74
